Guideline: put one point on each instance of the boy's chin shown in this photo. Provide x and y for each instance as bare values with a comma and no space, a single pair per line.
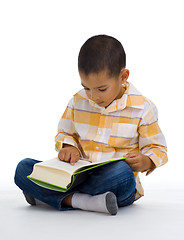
103,104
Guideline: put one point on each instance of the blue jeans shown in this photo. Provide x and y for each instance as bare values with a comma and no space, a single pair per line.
116,177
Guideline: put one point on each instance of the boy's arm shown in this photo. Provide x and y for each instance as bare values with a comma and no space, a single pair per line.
152,144
151,139
67,134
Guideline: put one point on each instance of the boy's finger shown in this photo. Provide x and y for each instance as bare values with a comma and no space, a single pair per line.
61,156
134,167
126,155
130,160
130,155
67,156
72,162
72,159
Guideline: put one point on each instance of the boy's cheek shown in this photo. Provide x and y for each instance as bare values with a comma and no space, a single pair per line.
88,95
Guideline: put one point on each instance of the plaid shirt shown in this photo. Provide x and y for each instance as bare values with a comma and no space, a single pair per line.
129,124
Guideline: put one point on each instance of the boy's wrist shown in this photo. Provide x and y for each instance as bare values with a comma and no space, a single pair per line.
67,145
151,165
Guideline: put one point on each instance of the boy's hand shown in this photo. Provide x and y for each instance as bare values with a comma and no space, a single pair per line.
69,154
139,162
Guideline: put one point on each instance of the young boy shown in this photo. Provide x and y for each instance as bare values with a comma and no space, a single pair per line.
109,118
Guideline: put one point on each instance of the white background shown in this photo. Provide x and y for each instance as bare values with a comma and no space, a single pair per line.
39,45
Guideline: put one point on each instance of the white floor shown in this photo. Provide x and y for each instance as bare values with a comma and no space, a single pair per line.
158,215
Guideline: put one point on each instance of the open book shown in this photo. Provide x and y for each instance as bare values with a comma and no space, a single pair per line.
61,176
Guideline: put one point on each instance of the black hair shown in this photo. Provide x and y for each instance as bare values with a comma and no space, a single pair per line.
100,53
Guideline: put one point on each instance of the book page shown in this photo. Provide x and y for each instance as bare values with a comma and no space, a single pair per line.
64,166
55,163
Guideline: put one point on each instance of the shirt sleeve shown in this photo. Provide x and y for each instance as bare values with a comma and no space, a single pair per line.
151,139
66,129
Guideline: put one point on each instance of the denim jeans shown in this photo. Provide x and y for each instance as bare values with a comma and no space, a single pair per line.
116,177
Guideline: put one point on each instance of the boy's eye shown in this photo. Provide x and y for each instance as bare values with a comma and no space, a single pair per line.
103,90
86,89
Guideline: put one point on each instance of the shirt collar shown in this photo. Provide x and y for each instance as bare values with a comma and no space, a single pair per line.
131,98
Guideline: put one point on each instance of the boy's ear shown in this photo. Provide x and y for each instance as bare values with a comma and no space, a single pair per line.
124,74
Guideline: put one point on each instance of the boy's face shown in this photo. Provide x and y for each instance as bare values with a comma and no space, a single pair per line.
102,88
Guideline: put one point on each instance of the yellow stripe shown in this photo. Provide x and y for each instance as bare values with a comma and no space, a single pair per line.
106,122
135,100
95,147
159,153
149,130
68,113
96,119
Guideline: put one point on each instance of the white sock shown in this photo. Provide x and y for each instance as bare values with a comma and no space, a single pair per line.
105,202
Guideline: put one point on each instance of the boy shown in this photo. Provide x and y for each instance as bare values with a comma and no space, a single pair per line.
109,118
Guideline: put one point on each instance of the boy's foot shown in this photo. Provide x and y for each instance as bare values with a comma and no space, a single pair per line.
29,199
111,203
105,202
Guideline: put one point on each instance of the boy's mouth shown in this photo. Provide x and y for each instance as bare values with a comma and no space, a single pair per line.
99,103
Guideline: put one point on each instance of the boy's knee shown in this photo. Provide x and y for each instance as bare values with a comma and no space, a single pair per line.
122,170
23,164
126,183
23,169
122,178
115,174
125,173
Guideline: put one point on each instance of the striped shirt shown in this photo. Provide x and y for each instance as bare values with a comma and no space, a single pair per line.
129,124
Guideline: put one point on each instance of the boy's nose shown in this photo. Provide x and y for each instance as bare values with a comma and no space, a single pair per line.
94,96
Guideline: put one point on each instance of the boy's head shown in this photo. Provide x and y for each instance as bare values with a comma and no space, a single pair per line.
101,65
102,53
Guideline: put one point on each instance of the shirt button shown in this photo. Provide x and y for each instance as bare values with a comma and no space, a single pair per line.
100,132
